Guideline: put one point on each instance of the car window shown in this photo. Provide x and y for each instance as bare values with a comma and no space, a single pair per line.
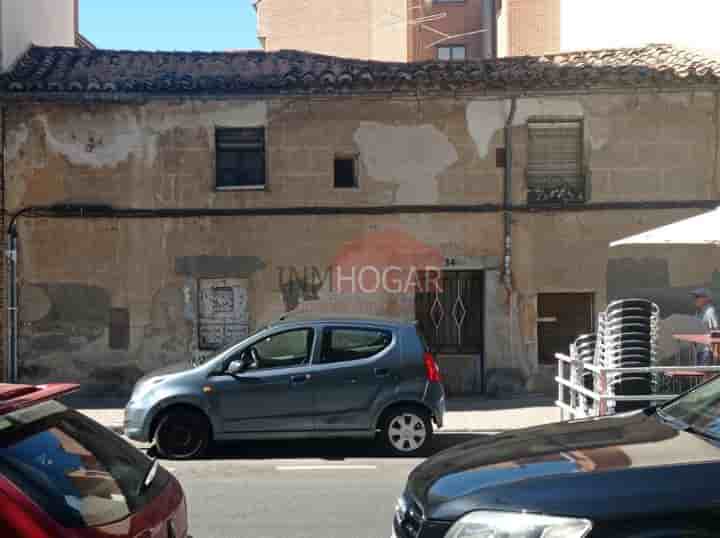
423,340
282,350
343,344
699,409
80,473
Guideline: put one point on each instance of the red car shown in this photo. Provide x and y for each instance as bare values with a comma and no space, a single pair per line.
63,475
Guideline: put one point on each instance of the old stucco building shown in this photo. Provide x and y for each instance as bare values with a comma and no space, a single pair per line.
175,201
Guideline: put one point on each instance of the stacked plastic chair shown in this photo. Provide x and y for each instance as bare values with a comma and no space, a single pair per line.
585,347
627,338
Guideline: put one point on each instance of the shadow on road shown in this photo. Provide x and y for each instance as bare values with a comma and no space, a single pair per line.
327,449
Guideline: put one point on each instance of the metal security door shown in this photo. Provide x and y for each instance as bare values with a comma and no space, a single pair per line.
451,314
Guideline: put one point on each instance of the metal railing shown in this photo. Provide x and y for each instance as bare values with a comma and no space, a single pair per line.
575,400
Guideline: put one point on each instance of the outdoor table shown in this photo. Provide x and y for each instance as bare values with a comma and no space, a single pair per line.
700,340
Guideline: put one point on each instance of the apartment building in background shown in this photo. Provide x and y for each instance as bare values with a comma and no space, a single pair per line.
383,30
418,30
38,22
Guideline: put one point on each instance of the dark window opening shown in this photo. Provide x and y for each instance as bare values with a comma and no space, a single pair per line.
562,317
555,173
119,328
240,158
345,173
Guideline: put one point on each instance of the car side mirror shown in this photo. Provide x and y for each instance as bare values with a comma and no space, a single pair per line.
236,367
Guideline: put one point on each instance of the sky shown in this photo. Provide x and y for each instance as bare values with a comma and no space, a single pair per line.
169,24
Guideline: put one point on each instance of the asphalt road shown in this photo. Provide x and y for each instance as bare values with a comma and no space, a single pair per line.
298,489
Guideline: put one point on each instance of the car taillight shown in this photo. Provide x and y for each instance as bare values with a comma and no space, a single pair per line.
431,368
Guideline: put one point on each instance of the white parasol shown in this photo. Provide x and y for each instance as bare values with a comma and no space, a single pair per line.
699,230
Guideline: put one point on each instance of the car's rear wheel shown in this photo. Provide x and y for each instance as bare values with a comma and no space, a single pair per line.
182,434
406,431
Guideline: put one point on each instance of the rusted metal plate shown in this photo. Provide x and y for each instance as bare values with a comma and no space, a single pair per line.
119,328
223,312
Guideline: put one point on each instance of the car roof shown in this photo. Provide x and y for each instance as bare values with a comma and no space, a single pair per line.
344,319
14,396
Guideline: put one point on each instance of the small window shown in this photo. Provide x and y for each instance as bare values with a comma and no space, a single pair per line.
119,328
283,350
343,345
240,158
451,53
345,173
555,161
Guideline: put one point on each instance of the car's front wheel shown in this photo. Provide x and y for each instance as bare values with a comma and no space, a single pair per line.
182,434
406,431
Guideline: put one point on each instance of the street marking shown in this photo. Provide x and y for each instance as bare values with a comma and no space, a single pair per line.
325,467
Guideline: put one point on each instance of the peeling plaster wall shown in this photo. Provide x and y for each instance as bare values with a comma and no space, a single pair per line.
410,157
637,147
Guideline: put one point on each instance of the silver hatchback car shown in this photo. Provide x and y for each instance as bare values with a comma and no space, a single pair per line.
300,378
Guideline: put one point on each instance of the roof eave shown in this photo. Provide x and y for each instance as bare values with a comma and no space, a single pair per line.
495,93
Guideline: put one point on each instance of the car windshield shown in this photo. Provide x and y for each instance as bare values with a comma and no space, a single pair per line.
698,410
80,473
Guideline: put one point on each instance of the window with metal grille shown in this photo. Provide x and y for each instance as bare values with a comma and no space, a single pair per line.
240,158
555,172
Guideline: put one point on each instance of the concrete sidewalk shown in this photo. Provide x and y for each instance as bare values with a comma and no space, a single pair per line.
464,414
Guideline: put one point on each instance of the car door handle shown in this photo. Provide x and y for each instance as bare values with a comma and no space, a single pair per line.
300,379
382,372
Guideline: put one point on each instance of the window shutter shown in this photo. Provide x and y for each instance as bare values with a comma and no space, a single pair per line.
244,138
555,161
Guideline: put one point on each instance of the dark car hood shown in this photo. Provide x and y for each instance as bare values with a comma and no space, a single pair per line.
579,468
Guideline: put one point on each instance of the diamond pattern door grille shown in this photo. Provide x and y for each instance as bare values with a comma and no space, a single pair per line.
451,316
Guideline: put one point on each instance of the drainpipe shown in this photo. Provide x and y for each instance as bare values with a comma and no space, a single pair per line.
489,23
11,255
11,355
507,198
12,310
507,206
716,164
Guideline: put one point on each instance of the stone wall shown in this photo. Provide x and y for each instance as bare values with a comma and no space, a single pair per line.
87,283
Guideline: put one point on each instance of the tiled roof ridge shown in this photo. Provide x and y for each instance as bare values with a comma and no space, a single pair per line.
55,70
